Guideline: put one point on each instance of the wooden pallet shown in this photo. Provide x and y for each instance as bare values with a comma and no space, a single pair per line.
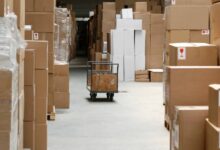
51,116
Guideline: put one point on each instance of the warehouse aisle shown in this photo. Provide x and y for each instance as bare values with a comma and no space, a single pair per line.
133,122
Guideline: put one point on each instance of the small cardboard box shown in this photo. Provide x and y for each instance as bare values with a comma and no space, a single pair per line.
41,53
61,68
29,109
214,105
193,54
41,137
29,67
40,21
189,123
41,82
156,75
29,135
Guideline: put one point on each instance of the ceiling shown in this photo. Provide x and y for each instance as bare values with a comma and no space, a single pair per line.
82,7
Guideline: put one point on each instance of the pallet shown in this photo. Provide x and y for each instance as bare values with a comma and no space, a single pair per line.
51,116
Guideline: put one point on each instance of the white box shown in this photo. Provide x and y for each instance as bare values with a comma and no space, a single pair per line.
127,13
128,42
131,24
129,68
139,43
139,62
117,42
119,59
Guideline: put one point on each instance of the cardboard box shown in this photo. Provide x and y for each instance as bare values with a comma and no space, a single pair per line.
214,109
128,42
61,68
140,6
140,38
129,68
51,90
108,6
180,17
8,140
191,2
40,21
156,75
215,22
129,24
40,5
155,61
140,62
127,13
41,105
192,87
41,137
51,58
29,34
29,67
19,9
61,83
117,44
193,54
212,136
29,135
188,128
29,109
62,99
45,37
41,82
41,53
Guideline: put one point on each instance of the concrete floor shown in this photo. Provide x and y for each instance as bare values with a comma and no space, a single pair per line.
134,121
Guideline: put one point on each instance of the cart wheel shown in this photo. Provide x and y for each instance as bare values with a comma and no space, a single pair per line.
111,98
93,96
108,96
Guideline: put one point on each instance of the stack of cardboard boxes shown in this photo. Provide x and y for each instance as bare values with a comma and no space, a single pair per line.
38,87
40,15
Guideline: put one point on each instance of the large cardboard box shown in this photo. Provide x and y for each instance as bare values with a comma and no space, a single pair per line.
29,109
214,105
41,105
40,21
188,85
41,53
61,83
40,5
188,128
41,137
62,99
29,67
29,135
191,2
8,139
156,75
212,136
140,6
41,82
180,17
215,22
193,54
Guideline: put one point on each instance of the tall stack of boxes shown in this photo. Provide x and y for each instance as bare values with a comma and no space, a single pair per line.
30,96
40,15
41,92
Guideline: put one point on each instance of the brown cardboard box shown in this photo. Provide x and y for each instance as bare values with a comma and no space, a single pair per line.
41,80
29,67
212,136
29,135
29,34
41,53
61,83
51,90
180,17
191,2
140,6
145,17
51,58
193,54
62,99
215,22
40,5
61,68
41,137
46,37
29,109
108,6
40,21
214,109
41,110
188,128
6,138
192,87
155,61
156,75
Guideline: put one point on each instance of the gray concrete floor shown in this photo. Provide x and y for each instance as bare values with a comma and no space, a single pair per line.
134,121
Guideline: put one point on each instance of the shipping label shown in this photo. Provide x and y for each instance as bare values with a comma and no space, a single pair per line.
182,53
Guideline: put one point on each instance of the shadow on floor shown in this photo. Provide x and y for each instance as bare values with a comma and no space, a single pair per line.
100,100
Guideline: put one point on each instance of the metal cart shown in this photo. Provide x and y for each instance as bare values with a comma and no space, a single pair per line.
102,77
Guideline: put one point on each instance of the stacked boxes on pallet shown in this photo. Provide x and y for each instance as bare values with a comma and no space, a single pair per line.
38,88
40,15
